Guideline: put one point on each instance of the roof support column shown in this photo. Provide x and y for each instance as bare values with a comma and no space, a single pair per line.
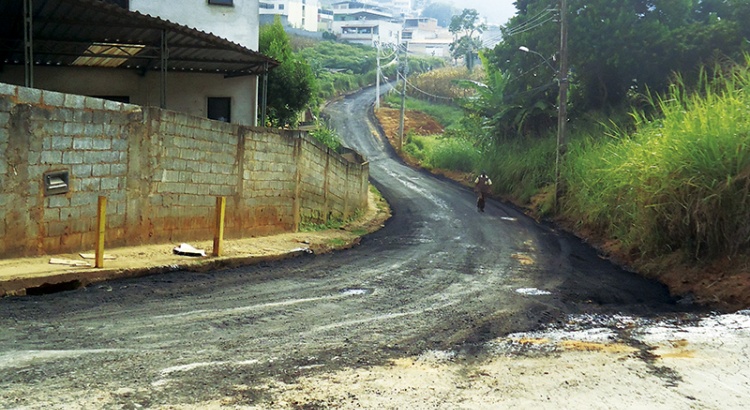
28,43
164,57
264,95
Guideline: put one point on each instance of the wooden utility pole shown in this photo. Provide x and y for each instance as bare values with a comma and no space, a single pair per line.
404,69
562,114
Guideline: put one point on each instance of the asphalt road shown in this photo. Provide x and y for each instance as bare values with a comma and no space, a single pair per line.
440,275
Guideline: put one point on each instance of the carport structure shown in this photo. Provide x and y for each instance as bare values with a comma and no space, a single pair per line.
102,34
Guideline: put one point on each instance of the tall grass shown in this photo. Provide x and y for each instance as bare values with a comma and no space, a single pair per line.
455,154
679,182
520,168
445,153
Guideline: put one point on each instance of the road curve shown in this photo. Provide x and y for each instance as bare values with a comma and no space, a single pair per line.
440,275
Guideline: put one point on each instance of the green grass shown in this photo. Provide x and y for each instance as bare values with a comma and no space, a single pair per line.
444,153
521,168
681,181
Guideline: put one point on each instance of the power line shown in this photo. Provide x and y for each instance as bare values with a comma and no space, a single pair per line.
533,22
425,92
529,28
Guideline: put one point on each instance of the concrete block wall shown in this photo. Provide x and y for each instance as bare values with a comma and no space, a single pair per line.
160,171
43,131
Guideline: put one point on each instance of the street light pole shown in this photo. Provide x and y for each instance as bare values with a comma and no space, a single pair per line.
377,79
563,97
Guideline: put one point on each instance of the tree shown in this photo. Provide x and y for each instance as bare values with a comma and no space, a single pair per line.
617,49
441,12
291,85
466,42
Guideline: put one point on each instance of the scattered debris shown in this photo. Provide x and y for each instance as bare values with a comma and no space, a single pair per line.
68,262
188,250
532,291
93,256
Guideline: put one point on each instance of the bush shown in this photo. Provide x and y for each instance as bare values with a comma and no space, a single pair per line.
327,136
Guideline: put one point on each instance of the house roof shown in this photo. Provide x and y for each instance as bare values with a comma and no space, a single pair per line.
100,34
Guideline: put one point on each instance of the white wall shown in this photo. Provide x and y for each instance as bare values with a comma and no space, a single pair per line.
186,92
238,23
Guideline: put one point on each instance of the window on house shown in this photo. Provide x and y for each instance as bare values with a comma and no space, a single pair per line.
220,109
281,7
222,2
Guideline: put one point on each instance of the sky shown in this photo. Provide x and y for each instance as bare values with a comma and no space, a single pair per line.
496,11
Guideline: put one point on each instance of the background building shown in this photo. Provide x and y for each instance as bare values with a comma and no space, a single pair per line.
298,14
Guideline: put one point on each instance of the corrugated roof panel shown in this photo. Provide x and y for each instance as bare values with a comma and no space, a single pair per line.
67,32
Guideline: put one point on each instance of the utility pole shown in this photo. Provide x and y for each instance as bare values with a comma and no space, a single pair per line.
563,97
377,79
404,70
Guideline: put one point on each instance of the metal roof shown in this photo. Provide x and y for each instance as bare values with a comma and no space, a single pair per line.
97,33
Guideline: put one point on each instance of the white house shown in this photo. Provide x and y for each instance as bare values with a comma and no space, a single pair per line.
365,23
234,20
199,58
299,14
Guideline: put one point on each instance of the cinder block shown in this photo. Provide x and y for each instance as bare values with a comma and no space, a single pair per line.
29,95
113,105
100,170
51,214
169,175
53,98
74,101
102,144
87,185
72,157
95,131
83,143
70,214
119,170
110,183
8,90
73,128
51,157
58,201
80,171
93,103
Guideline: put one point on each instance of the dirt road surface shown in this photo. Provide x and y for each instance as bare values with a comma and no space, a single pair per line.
444,308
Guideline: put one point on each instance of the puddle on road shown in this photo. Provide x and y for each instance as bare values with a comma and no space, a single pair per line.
675,336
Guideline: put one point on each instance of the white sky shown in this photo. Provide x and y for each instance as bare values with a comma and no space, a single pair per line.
496,11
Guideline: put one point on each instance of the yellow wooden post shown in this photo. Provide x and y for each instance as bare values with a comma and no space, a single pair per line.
101,217
221,205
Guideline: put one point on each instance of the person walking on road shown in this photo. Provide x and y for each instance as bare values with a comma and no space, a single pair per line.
482,186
